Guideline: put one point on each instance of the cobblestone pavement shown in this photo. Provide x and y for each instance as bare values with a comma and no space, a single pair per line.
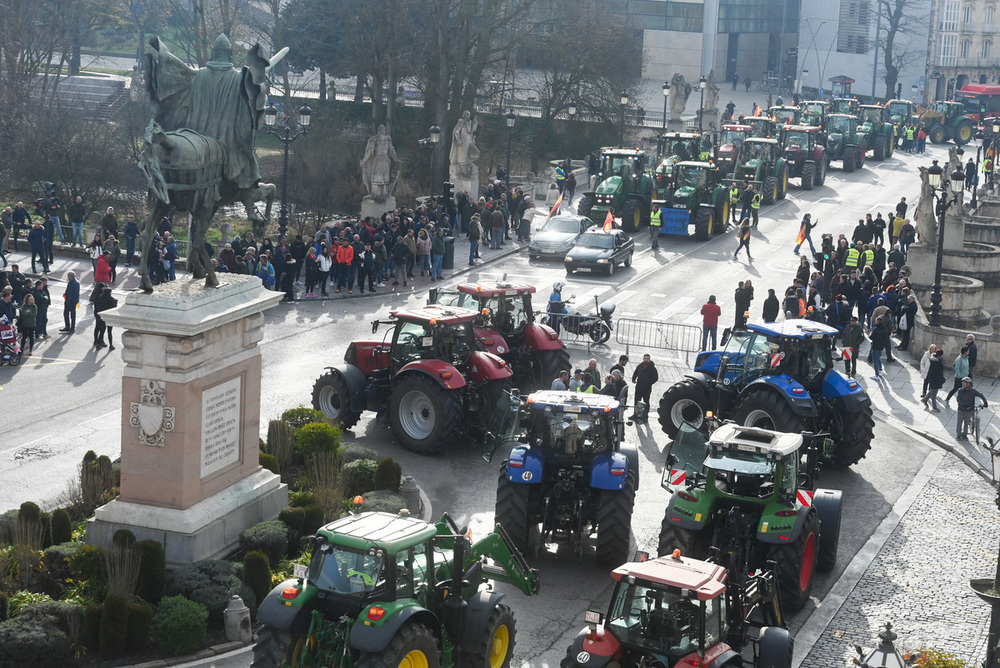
919,578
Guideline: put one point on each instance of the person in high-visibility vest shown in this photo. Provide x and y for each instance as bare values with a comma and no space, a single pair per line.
755,205
560,178
869,256
911,132
734,199
655,225
988,171
853,257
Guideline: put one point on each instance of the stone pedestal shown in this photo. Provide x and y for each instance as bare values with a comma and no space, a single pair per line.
466,180
190,476
374,208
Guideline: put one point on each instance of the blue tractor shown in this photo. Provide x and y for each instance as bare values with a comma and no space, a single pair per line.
776,376
569,475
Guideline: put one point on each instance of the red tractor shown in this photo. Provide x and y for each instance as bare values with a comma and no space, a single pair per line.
426,373
682,612
805,154
730,140
507,327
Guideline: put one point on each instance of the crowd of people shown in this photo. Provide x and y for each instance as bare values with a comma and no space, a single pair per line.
590,380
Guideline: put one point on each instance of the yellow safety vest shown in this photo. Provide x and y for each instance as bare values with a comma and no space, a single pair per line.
909,133
755,204
560,174
655,219
869,256
852,258
734,195
705,155
988,166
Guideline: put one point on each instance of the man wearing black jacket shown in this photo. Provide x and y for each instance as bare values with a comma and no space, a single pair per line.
644,376
771,307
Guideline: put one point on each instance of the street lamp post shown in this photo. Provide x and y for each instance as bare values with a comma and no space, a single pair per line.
510,132
940,192
571,109
666,94
623,103
702,84
284,134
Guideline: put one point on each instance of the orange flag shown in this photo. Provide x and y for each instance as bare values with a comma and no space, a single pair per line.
609,222
802,234
555,207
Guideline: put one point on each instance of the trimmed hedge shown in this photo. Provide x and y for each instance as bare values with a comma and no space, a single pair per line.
269,537
152,572
140,627
180,626
114,627
358,477
257,574
210,583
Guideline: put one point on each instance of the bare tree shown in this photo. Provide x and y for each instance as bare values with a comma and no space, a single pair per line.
199,22
899,47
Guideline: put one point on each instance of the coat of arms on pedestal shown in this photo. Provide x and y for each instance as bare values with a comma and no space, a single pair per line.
150,415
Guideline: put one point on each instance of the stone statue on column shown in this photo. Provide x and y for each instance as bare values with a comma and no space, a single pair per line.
679,92
463,171
711,94
379,172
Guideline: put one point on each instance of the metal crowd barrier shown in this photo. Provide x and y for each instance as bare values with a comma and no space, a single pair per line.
656,334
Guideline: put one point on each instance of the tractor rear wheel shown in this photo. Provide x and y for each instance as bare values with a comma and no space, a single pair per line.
585,204
546,365
721,213
962,132
852,432
685,401
808,175
273,648
511,509
694,544
767,410
423,415
881,147
496,645
796,565
821,166
704,224
774,645
782,183
614,522
770,190
631,215
850,158
413,646
333,399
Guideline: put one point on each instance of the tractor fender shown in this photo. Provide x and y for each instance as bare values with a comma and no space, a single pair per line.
525,466
281,614
485,367
631,453
491,340
609,471
541,337
718,656
593,650
790,390
779,164
692,519
356,384
376,637
477,614
701,378
777,530
827,503
845,393
444,373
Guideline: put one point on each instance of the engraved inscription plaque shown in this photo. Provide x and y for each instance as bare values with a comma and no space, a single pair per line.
220,426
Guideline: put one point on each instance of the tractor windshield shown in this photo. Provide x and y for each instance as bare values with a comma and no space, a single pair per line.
750,474
346,571
873,116
800,139
571,435
507,315
807,361
622,165
839,124
732,137
452,342
759,127
659,620
899,111
693,177
753,150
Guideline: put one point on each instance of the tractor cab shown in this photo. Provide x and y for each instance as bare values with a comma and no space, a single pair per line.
675,147
785,114
627,164
799,139
761,126
752,464
731,139
845,105
504,307
574,425
872,115
671,608
900,111
814,111
432,333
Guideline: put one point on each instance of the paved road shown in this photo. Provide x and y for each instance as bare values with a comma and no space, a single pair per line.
41,449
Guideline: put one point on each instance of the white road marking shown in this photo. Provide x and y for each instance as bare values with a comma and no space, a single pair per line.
675,306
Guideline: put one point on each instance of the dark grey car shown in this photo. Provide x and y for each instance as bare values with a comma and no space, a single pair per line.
597,250
558,235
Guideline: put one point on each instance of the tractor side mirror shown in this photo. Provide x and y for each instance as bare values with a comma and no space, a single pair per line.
374,326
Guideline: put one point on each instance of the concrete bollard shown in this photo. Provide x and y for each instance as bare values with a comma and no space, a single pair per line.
408,490
237,618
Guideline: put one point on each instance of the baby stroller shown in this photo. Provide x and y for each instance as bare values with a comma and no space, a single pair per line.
10,351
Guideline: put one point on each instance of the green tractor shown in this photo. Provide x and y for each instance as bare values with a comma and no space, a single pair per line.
814,112
762,163
880,134
749,493
947,120
698,197
393,590
624,187
901,112
785,114
845,140
845,105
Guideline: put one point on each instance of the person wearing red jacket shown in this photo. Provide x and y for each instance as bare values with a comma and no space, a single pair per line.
345,258
710,322
102,273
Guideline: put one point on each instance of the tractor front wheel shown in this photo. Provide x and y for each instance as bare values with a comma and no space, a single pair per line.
413,646
765,409
774,645
496,647
782,183
423,415
694,544
808,175
796,565
586,203
881,151
704,224
852,433
511,509
850,158
631,215
936,134
821,166
770,190
333,399
614,520
685,401
273,648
